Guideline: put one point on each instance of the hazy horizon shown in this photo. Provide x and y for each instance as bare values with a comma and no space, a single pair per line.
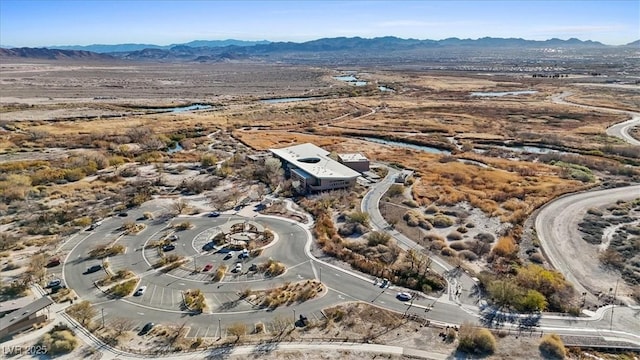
39,23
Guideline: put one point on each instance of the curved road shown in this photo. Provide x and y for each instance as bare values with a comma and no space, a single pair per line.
557,229
162,299
620,130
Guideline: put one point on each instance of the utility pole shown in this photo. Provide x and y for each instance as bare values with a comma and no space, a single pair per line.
615,293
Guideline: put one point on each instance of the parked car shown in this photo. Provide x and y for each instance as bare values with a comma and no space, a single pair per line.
403,296
253,267
214,214
54,283
94,268
168,247
140,291
146,328
238,267
173,237
123,214
229,255
385,283
244,254
207,267
53,262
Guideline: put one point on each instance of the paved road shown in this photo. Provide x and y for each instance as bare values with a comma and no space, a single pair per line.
556,226
620,130
161,302
455,279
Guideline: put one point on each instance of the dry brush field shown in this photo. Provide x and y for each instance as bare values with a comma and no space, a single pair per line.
74,135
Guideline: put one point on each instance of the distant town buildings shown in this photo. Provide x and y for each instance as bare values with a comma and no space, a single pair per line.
312,170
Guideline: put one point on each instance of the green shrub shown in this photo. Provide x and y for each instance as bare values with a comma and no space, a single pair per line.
358,217
441,221
123,289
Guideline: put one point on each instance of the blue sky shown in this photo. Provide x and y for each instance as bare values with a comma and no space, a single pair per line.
51,22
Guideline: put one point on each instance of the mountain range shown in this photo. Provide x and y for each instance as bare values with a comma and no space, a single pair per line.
229,50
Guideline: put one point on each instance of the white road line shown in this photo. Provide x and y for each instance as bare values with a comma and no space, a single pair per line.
296,265
153,292
206,332
162,296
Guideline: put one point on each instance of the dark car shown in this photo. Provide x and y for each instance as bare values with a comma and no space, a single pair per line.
123,214
209,246
253,267
53,262
94,268
168,247
214,214
54,283
146,328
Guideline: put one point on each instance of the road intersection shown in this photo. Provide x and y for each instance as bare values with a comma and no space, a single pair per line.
163,297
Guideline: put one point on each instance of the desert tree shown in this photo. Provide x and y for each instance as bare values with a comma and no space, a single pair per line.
238,330
36,270
83,312
179,206
121,325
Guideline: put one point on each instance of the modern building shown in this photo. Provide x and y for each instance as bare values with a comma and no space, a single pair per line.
24,318
355,161
312,170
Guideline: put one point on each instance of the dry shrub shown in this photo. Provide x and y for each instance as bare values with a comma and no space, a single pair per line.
536,258
454,235
412,217
551,346
447,252
505,247
485,237
441,221
458,245
476,340
60,340
467,255
432,209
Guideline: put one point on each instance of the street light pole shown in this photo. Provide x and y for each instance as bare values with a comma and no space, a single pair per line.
320,273
614,305
294,318
219,330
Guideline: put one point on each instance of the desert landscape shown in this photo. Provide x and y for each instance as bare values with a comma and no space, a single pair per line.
82,141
